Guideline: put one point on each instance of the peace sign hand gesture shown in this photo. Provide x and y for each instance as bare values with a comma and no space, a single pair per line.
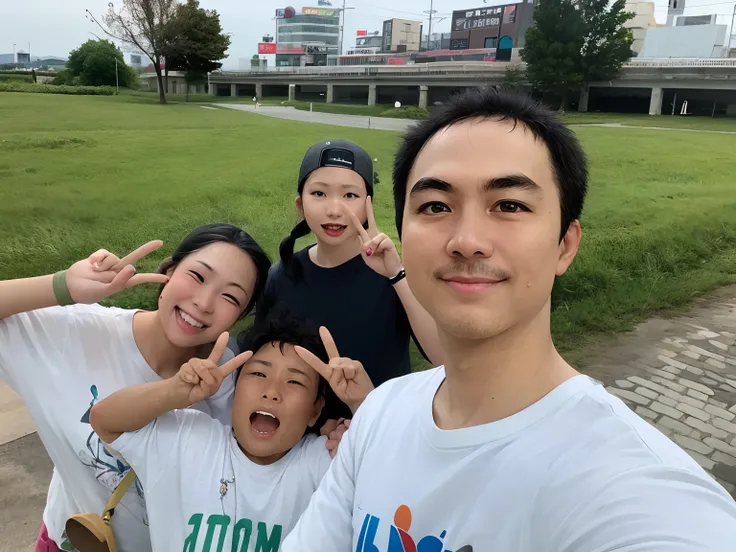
103,274
199,379
347,377
377,249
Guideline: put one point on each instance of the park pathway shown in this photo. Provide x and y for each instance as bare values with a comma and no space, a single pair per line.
400,125
677,372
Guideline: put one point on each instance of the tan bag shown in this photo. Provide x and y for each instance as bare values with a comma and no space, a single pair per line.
92,533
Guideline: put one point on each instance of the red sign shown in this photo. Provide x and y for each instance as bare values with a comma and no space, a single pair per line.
361,32
397,61
266,47
290,50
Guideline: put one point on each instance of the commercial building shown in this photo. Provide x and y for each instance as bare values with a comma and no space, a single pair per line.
686,41
308,37
501,27
366,44
401,35
642,21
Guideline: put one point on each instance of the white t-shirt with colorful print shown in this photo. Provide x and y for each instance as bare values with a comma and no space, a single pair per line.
61,361
203,493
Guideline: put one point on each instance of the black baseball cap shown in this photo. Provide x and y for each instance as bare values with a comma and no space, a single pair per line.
337,153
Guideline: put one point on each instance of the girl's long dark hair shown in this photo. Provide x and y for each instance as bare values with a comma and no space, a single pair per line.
286,250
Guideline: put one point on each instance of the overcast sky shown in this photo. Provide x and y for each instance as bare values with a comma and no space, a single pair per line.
54,27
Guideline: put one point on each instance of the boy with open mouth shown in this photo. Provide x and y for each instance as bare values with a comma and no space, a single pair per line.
210,487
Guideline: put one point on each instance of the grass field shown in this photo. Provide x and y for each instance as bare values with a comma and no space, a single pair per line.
79,173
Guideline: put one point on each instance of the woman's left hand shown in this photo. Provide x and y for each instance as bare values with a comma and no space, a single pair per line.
377,249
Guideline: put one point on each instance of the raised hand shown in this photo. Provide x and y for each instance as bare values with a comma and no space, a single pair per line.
199,379
103,274
347,377
377,249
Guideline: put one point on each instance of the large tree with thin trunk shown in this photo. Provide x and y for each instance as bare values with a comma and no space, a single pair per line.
142,25
194,42
574,42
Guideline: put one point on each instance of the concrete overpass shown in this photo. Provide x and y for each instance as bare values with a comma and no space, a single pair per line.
643,83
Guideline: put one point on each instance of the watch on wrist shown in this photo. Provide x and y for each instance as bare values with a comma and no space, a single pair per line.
396,279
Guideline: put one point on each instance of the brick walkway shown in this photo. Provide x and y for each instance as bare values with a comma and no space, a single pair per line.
679,374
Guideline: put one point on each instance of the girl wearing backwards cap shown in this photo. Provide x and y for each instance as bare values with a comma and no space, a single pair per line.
352,279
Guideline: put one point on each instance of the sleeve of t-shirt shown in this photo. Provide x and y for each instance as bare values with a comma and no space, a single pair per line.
327,523
650,509
154,449
26,332
319,459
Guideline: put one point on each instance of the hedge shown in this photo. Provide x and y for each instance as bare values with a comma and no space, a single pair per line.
57,89
17,77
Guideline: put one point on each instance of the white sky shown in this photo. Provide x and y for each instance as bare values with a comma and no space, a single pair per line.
54,27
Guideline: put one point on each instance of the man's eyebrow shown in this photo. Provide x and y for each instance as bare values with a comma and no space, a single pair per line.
430,183
519,181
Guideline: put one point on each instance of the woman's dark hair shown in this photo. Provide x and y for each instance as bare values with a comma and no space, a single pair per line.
223,233
569,163
282,327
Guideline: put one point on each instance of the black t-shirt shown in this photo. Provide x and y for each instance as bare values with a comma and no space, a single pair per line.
359,307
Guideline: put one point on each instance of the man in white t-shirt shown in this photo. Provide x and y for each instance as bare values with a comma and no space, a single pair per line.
211,487
506,447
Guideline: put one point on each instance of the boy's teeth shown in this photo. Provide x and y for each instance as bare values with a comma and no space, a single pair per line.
189,320
265,413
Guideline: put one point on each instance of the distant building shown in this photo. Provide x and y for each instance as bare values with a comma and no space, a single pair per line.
686,41
23,58
368,44
438,41
308,37
642,21
401,35
502,27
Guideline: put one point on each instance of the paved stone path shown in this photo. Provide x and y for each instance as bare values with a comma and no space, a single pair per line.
679,374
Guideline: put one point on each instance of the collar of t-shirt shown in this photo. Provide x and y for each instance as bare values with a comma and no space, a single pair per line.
486,433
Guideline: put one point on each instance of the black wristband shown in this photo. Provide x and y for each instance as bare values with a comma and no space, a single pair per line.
396,279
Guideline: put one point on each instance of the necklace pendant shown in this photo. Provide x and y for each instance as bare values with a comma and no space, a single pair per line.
223,490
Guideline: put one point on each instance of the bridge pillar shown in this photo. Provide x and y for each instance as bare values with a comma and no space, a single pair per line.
583,103
330,93
233,89
423,94
259,90
655,103
292,92
371,94
213,89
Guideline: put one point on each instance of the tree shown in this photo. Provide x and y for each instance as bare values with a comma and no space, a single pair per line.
574,42
142,25
194,42
95,63
514,79
607,42
553,46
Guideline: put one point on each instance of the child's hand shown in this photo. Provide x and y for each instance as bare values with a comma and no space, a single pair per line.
347,377
377,249
199,379
334,430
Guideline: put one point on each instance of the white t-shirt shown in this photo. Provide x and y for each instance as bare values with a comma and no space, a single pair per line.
576,471
61,361
182,459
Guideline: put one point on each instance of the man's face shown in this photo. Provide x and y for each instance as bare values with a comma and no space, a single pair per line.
275,401
480,234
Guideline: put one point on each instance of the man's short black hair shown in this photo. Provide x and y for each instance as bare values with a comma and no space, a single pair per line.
283,328
569,163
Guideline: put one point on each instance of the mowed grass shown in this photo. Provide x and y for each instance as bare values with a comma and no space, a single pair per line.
80,173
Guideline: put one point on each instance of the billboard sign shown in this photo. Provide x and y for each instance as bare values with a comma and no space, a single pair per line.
280,13
361,32
483,18
289,49
459,44
266,47
325,12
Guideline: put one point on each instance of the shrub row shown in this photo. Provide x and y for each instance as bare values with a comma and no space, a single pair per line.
56,89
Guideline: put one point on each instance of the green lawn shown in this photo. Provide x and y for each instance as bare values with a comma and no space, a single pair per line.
79,173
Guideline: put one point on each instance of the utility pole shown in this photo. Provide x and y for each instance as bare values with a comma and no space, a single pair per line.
730,33
431,13
342,25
